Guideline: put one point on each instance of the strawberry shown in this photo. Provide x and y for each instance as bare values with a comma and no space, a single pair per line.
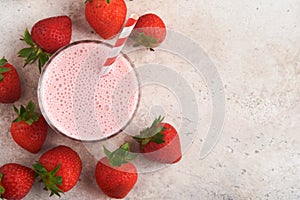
114,174
160,142
29,129
10,86
15,181
106,17
47,36
59,168
149,31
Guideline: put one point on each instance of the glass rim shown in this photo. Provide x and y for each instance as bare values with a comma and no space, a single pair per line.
43,112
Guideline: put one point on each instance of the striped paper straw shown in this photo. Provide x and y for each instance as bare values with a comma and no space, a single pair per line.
119,44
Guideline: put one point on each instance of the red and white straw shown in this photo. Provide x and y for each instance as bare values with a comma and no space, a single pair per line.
119,44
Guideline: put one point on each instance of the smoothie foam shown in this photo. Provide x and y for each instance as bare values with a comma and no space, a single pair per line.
79,103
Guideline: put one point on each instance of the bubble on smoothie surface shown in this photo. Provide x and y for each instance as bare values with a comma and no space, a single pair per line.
80,103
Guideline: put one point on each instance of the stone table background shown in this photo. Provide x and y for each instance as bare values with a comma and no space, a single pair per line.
255,47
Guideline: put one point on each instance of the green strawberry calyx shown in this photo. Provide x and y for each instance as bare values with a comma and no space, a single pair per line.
152,133
3,70
33,52
50,179
2,190
120,156
27,114
141,39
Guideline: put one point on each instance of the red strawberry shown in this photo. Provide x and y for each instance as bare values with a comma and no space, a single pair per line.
106,17
160,142
15,181
47,36
29,129
52,33
114,174
59,169
149,31
10,87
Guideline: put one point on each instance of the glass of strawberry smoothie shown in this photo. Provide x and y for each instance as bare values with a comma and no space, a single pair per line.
77,102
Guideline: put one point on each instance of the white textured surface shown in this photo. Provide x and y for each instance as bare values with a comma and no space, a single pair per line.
255,47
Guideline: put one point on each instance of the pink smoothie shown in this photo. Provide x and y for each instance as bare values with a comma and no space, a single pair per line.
79,103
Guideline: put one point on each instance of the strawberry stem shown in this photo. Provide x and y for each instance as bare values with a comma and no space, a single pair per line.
50,179
27,113
2,189
120,156
3,61
33,52
3,70
152,133
142,39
